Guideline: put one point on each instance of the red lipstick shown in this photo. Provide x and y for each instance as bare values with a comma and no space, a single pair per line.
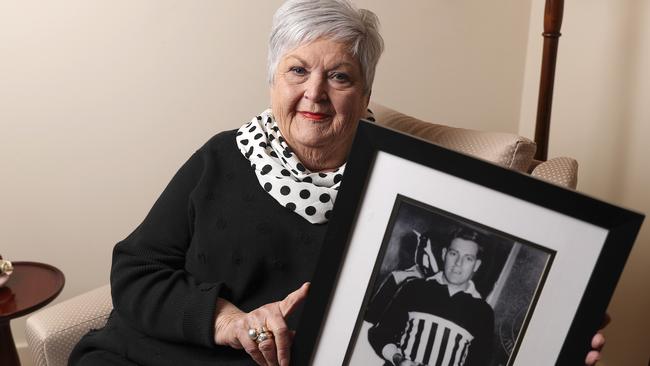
314,116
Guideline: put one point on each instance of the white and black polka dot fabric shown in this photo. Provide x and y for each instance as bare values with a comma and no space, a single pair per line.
309,194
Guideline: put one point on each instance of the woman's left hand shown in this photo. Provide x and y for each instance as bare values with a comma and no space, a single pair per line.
597,344
232,328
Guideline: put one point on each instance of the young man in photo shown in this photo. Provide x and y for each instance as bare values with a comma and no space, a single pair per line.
440,319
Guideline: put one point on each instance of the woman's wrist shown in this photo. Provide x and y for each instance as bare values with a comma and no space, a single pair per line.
225,313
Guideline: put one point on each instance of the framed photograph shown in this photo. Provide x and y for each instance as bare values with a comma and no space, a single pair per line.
433,257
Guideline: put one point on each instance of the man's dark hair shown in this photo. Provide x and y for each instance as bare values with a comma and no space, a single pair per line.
471,235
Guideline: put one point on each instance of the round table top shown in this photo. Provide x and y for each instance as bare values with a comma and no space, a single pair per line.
31,286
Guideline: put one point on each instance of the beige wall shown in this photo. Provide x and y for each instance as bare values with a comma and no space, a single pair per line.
454,62
601,116
101,101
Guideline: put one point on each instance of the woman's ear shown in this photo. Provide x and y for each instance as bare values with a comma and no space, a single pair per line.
367,100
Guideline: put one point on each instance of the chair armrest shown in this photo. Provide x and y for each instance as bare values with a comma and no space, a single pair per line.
53,332
561,171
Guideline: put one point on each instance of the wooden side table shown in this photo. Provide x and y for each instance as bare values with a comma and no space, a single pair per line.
31,286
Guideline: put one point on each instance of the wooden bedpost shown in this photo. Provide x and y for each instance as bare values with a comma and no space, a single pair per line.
552,24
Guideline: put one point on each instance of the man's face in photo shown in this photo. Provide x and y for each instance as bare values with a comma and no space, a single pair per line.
461,261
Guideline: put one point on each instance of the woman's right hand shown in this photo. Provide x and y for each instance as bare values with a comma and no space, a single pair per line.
232,326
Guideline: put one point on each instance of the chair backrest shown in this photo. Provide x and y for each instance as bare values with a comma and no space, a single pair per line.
505,149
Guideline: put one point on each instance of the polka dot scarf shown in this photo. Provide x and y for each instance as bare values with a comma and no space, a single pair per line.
310,195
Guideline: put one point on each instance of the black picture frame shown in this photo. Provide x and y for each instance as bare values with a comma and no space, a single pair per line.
589,241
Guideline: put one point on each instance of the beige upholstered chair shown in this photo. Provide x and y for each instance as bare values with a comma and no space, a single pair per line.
505,149
53,332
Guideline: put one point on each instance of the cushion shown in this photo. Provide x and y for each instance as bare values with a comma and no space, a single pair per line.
506,149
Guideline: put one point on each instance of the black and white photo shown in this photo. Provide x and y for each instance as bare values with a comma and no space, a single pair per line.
447,292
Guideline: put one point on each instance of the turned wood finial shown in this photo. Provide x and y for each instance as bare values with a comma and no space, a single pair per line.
553,13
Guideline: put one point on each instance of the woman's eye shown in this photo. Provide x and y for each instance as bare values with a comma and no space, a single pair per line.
340,77
297,70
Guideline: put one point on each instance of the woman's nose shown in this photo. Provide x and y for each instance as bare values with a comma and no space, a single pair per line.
316,89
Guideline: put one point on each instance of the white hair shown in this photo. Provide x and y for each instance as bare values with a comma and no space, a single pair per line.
299,22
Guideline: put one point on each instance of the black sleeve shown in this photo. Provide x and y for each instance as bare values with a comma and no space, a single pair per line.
380,299
150,287
482,347
389,327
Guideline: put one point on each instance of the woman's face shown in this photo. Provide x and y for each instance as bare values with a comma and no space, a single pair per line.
317,98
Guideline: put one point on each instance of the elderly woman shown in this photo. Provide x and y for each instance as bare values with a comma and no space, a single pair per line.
204,279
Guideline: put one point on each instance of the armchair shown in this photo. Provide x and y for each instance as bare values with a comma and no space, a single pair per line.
53,332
